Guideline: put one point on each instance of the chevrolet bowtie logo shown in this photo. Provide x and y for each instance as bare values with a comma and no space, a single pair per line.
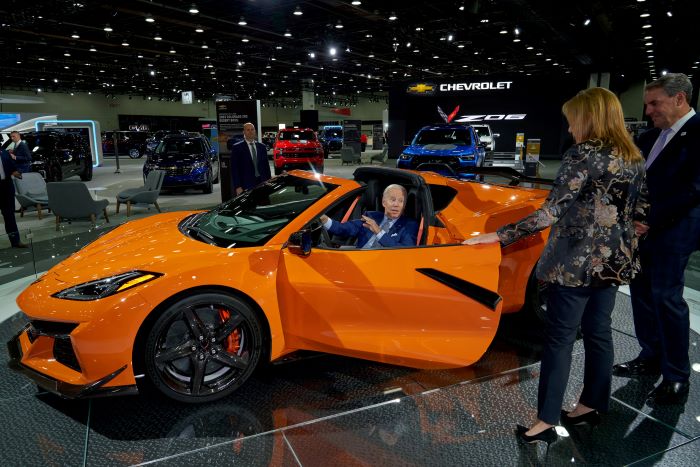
421,88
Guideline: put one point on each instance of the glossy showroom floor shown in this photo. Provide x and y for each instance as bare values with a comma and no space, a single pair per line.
321,410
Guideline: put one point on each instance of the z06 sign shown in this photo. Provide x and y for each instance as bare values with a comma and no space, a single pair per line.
491,117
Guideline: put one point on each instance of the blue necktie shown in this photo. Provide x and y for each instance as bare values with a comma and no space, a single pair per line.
658,147
373,239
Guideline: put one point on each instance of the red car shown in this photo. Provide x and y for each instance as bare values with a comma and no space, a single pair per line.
297,148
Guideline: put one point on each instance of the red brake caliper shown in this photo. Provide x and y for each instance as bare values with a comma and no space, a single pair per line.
233,341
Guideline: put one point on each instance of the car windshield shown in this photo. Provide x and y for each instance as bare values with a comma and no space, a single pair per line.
180,146
45,141
257,215
296,136
333,133
443,136
481,131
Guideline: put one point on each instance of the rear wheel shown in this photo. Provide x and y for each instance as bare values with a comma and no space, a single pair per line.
135,153
86,176
203,347
209,186
54,173
536,297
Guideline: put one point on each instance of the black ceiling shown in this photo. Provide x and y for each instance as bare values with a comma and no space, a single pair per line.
428,40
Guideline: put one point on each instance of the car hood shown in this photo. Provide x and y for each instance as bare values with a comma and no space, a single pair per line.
176,159
145,244
439,150
297,144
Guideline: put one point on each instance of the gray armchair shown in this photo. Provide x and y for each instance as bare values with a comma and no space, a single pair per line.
381,157
30,191
348,156
72,200
146,194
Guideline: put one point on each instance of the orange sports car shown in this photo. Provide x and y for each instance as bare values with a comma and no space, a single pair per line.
192,302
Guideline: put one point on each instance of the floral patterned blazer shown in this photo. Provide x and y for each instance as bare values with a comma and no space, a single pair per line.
591,209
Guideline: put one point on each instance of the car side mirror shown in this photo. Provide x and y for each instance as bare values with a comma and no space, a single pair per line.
496,135
299,243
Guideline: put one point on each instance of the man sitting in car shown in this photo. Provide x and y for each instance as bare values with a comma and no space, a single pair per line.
375,229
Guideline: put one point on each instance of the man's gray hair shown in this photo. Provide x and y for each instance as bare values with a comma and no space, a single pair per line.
672,84
395,186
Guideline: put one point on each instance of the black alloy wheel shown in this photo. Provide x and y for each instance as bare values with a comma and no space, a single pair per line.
86,175
536,297
203,347
209,186
134,153
54,173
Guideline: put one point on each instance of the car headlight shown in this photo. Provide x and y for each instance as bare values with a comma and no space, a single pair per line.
405,157
467,157
199,164
95,290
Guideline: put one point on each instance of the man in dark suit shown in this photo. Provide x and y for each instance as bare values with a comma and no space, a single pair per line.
376,229
249,165
7,197
661,319
19,151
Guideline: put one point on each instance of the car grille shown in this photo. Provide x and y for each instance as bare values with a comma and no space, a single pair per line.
173,171
449,160
49,328
63,353
297,155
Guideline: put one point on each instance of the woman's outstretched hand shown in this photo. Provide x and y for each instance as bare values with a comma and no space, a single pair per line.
483,238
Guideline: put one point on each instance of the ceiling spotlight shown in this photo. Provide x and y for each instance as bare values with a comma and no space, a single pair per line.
242,21
644,15
312,55
297,11
157,37
244,39
287,33
485,20
669,13
193,9
199,29
392,16
646,26
150,19
516,31
461,7
339,25
371,55
587,21
93,49
172,51
152,73
450,37
205,46
332,51
75,35
419,28
108,28
356,2
125,43
503,31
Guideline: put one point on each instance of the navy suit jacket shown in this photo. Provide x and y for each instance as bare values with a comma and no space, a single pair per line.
23,155
242,170
673,181
9,166
404,232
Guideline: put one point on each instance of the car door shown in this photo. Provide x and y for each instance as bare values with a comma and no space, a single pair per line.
426,307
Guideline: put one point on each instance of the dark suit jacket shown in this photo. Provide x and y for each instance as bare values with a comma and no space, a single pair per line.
23,155
7,188
673,180
242,170
404,232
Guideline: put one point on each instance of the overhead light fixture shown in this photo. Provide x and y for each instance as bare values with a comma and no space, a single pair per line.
157,37
587,21
392,16
172,51
150,19
75,35
242,21
93,49
516,31
244,39
332,51
503,31
669,13
125,43
461,7
108,28
339,25
450,37
199,29
297,11
371,55
193,9
205,46
312,55
644,15
287,33
356,2
485,20
646,26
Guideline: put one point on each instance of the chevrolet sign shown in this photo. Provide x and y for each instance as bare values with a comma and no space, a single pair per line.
483,86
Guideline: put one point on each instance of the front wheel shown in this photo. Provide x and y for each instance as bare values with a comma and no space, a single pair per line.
203,347
209,186
86,175
135,153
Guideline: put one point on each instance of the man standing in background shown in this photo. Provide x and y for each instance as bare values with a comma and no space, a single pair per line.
249,165
19,151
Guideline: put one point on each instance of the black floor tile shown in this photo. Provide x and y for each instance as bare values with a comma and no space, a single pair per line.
686,455
473,424
43,430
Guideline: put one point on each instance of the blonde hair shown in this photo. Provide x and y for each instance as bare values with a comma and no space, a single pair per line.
596,113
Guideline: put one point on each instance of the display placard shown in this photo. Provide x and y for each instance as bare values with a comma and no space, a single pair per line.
377,136
351,135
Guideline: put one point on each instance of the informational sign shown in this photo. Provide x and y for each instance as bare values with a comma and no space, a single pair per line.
230,118
377,136
519,145
187,97
351,135
532,154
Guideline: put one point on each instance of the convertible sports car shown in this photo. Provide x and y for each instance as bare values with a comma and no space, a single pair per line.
193,302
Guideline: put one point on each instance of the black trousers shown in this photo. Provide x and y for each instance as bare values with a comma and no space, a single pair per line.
7,205
567,308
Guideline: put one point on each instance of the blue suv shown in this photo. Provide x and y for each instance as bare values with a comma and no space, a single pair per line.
457,146
188,161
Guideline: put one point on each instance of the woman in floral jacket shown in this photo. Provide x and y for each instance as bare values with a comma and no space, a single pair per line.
595,211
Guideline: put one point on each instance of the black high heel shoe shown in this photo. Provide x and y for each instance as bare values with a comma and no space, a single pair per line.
591,418
548,436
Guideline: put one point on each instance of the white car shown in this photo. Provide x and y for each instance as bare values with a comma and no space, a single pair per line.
488,138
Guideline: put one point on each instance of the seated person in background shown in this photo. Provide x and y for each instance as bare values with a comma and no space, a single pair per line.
374,229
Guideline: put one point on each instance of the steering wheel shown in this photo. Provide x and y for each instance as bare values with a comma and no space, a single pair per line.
319,234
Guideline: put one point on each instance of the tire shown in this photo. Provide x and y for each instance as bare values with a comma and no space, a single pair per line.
278,171
212,333
216,180
135,153
536,297
86,176
209,186
54,173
